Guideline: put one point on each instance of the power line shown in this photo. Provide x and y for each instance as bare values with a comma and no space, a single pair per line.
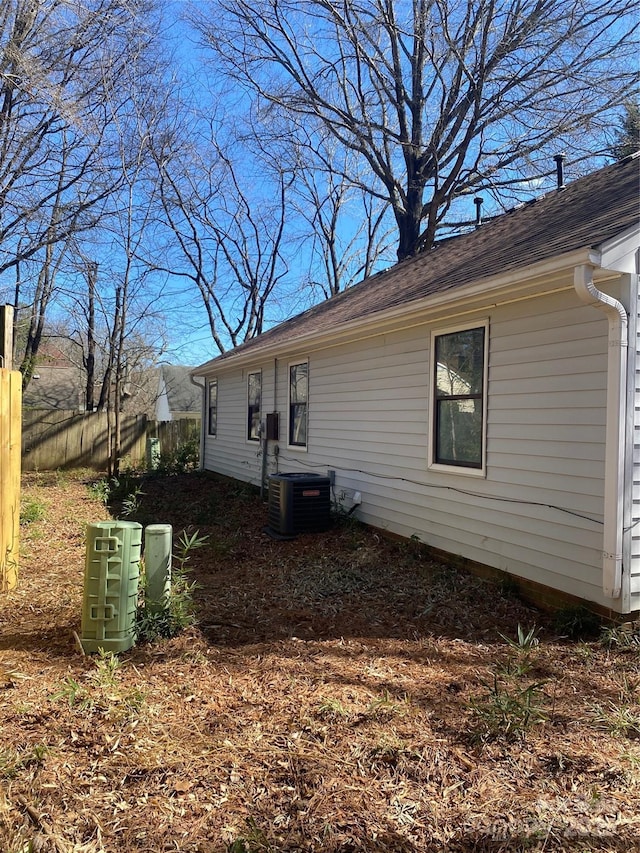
456,490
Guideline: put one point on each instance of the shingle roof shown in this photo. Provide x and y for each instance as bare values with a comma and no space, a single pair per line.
182,395
586,213
55,387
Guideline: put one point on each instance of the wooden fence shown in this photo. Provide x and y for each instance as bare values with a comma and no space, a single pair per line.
172,434
10,420
61,439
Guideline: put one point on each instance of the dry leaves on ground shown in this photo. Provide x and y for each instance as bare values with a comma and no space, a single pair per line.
341,692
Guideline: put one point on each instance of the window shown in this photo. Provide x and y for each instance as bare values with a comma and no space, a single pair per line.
254,395
298,403
212,416
459,382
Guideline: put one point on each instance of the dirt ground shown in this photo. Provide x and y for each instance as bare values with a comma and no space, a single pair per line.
340,692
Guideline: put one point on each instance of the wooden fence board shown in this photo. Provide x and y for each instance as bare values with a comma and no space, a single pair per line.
53,439
10,429
174,433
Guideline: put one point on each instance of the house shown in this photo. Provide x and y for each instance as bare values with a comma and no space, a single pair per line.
58,380
177,396
483,396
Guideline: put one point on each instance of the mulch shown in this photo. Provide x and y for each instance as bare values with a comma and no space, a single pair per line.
340,692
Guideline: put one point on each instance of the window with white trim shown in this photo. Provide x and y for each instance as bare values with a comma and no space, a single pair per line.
212,408
254,400
459,370
298,403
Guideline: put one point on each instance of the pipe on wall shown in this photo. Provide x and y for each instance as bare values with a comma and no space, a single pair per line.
618,340
203,415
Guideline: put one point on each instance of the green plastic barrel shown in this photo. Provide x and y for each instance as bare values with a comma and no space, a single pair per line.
157,566
153,454
112,572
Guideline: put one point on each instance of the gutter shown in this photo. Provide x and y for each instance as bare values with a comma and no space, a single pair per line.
615,426
203,414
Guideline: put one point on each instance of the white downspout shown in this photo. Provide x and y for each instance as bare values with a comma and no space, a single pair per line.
615,426
203,416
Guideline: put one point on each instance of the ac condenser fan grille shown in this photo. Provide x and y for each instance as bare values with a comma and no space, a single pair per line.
299,503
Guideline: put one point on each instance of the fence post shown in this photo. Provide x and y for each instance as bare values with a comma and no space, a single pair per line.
6,336
10,452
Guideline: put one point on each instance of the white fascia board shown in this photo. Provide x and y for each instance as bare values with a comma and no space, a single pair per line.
619,253
522,283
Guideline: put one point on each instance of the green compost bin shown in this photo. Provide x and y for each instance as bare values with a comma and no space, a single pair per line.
111,575
153,454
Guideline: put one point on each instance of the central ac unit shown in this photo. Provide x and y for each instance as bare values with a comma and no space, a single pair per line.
299,503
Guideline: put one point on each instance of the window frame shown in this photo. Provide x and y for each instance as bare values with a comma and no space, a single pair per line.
291,444
452,467
251,409
211,383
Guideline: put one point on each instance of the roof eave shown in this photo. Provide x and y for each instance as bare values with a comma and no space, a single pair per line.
517,283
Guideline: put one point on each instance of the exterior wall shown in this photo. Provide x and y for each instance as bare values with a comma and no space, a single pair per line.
632,516
538,513
163,412
229,452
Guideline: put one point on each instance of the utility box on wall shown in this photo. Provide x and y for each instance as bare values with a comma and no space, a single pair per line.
299,503
273,426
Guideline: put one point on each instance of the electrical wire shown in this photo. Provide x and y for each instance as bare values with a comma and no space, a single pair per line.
457,490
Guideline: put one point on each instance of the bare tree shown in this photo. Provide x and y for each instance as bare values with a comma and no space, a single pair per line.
60,64
227,233
89,358
628,135
125,301
47,264
438,98
75,79
348,228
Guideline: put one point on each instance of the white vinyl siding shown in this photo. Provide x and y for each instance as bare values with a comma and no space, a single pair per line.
633,517
163,412
230,453
369,420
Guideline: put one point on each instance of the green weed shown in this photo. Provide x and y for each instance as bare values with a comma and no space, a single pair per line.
99,490
525,641
125,489
523,649
107,665
31,510
383,706
183,460
131,503
12,761
102,691
618,720
625,636
73,693
507,709
332,709
253,841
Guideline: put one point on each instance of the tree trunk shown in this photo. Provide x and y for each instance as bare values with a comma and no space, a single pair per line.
90,360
